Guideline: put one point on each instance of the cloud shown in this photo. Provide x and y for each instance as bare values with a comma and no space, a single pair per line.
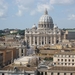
21,10
62,1
23,5
32,6
3,8
71,17
41,7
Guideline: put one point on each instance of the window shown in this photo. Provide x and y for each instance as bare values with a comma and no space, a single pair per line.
58,59
2,73
69,60
58,74
65,63
45,73
72,63
22,51
65,59
58,63
71,74
54,63
42,25
48,25
68,63
51,73
49,42
69,55
64,73
22,54
73,60
45,25
61,63
61,59
42,42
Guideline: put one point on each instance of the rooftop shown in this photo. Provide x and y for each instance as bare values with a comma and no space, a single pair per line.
71,30
62,68
65,53
21,68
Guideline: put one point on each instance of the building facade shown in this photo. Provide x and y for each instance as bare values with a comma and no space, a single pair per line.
64,59
7,55
1,59
45,33
63,64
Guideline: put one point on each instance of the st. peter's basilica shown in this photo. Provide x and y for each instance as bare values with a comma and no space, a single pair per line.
45,33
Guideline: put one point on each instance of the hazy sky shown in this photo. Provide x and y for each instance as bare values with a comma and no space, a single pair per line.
23,14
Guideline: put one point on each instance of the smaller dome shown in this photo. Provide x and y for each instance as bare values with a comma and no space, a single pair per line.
34,26
55,26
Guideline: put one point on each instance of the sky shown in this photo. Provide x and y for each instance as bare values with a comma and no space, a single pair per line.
22,14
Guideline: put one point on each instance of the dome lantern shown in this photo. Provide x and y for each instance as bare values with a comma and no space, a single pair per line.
46,12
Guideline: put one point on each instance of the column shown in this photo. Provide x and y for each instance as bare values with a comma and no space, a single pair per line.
64,36
30,40
34,40
59,38
44,40
37,40
54,39
41,40
43,73
51,39
48,40
25,39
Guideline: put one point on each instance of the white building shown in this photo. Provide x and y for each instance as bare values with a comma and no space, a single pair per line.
45,33
25,60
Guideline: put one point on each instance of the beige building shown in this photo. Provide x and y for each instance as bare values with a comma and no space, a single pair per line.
63,64
45,33
8,55
64,59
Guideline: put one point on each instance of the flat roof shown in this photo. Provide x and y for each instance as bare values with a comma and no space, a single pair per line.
62,68
71,30
21,68
65,53
24,58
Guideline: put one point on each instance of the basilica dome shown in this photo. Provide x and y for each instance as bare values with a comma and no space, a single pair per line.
45,22
45,18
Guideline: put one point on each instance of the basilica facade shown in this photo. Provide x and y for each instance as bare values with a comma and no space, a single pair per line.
45,33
